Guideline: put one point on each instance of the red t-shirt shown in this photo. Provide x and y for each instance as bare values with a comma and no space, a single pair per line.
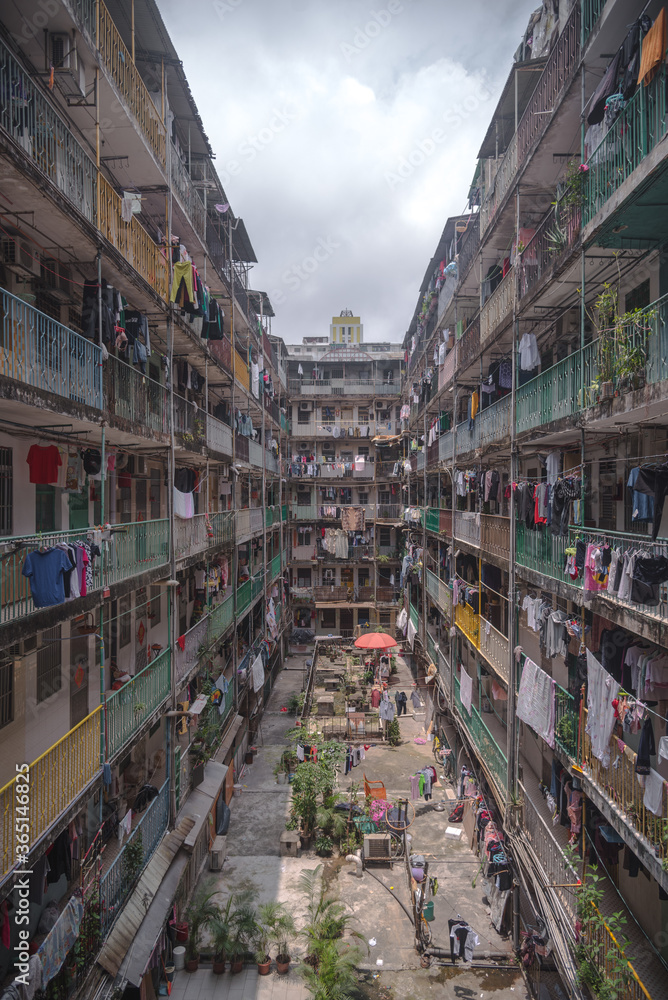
44,463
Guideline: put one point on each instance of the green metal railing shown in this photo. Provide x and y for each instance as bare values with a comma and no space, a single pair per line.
268,517
257,584
127,709
491,755
432,518
275,567
637,130
591,11
135,548
542,552
220,619
413,615
243,597
284,512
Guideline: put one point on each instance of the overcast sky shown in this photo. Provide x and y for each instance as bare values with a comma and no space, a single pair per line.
345,134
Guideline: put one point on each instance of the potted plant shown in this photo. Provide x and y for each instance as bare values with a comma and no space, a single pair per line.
324,846
281,926
243,927
220,942
272,921
201,913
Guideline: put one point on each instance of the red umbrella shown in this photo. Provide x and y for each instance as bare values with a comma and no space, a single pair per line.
375,640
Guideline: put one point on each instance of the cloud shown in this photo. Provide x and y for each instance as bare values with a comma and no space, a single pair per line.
349,123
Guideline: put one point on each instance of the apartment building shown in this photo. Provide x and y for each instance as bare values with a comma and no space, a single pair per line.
537,389
143,420
344,483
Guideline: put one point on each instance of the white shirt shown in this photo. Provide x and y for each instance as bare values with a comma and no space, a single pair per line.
529,356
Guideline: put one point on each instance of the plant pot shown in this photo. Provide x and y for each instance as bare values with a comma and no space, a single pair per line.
281,778
192,964
264,967
306,839
236,965
283,967
249,757
218,967
182,932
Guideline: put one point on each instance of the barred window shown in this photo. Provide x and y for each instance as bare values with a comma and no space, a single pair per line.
49,663
6,692
6,491
155,607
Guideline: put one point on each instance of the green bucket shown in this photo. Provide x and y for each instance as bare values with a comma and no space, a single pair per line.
428,911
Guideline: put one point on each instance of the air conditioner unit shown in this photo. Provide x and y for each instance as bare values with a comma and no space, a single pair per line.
380,404
305,407
217,854
303,446
66,63
328,446
376,847
18,257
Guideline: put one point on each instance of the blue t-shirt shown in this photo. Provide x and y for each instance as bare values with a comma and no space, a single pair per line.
643,503
45,571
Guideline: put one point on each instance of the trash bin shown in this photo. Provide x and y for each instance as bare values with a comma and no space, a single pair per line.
179,957
428,911
237,790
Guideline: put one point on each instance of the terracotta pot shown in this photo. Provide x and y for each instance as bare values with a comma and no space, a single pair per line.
264,967
282,967
192,964
236,965
182,932
218,967
249,757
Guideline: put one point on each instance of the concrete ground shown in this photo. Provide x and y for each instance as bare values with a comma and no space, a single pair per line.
390,968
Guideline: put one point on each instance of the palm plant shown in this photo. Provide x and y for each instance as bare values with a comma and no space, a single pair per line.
200,914
332,821
334,977
327,919
274,924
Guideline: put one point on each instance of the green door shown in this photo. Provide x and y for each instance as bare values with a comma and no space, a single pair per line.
79,510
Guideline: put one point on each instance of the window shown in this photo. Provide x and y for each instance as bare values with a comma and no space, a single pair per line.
383,496
125,620
336,373
303,499
384,618
6,491
638,297
363,498
155,607
384,536
328,413
363,416
6,692
363,577
305,537
49,674
304,577
363,450
303,416
45,508
328,619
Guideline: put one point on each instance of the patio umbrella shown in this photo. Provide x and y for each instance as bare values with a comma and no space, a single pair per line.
375,640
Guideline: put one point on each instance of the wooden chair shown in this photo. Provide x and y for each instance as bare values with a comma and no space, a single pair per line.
374,789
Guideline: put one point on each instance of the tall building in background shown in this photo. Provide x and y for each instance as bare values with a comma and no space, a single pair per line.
143,533
537,385
344,488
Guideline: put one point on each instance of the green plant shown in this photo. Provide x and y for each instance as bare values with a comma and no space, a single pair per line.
332,821
199,915
326,920
324,845
331,973
232,926
274,924
133,858
622,337
571,189
393,733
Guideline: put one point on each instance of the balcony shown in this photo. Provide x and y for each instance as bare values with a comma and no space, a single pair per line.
440,593
247,521
257,583
446,372
468,438
243,597
186,192
118,60
432,519
38,351
498,307
193,640
386,595
468,621
445,447
556,235
219,620
130,708
340,386
494,422
304,512
284,512
541,551
201,532
490,754
118,881
495,535
33,123
241,373
131,396
557,392
638,130
331,594
57,779
274,568
255,453
131,240
467,527
494,647
135,548
591,11
389,512
218,436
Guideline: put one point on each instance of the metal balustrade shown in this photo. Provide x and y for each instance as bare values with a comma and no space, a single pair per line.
558,391
553,860
542,552
219,619
445,447
131,240
432,518
132,396
129,708
118,60
498,307
440,592
218,436
304,512
185,190
413,615
275,567
34,125
243,597
468,347
495,535
57,778
468,438
284,512
185,658
469,622
117,882
40,352
255,451
490,754
637,130
494,647
134,548
467,527
494,421
446,371
557,233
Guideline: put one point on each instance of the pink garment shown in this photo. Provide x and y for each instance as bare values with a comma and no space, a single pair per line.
590,583
375,698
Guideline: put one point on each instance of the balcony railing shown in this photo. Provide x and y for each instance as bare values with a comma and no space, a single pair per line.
247,521
494,421
192,640
304,512
541,551
495,535
40,352
201,532
447,370
557,392
257,583
469,622
241,373
243,597
131,240
220,619
275,567
118,881
490,754
468,438
57,778
470,244
388,511
505,174
33,123
557,233
468,346
218,436
432,516
187,193
129,708
132,396
494,647
440,593
445,447
591,11
284,512
331,593
467,527
135,548
638,129
118,60
498,307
